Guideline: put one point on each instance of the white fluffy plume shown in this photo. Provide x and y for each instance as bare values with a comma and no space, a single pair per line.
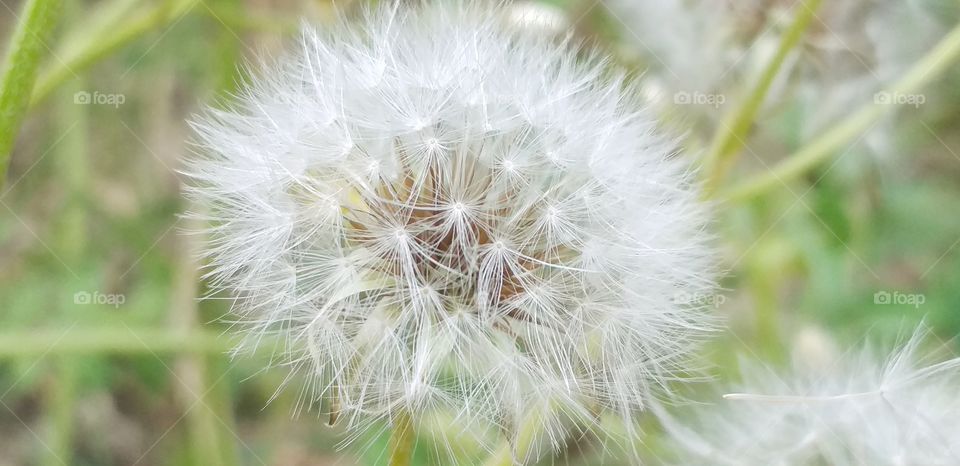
435,211
862,410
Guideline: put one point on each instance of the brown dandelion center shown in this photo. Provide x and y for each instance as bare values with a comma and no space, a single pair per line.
471,250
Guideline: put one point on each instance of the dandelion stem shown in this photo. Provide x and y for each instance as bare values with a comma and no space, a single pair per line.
22,60
401,439
733,130
927,69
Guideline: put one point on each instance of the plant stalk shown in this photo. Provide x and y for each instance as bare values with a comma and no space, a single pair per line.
32,343
26,49
734,128
927,69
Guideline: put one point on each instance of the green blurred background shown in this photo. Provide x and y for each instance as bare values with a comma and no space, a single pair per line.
108,357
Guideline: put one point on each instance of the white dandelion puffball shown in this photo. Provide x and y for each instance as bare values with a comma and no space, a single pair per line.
861,410
433,210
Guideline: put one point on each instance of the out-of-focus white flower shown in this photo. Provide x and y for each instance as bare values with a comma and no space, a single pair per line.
860,410
434,210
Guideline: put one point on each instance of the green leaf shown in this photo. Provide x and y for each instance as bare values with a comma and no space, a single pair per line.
27,48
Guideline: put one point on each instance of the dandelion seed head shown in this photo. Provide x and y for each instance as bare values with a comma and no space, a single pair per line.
863,408
434,210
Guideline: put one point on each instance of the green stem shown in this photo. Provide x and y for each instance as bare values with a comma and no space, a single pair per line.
221,403
220,416
27,45
31,343
191,369
730,137
62,396
108,41
930,67
402,438
71,170
763,281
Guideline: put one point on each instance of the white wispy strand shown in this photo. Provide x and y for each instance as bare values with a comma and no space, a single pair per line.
864,409
433,210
